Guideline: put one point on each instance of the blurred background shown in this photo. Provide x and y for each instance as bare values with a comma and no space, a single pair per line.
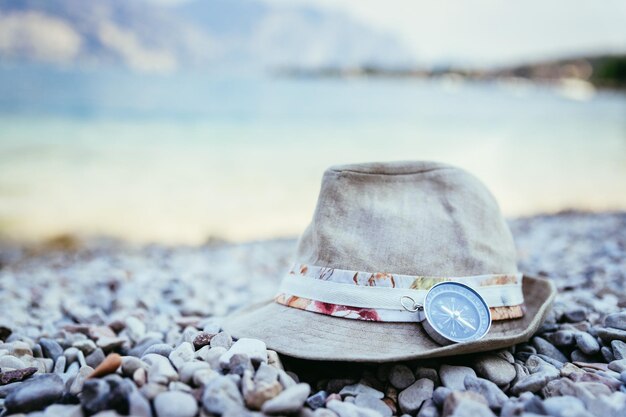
185,121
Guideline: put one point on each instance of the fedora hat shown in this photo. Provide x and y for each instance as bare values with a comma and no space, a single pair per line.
401,261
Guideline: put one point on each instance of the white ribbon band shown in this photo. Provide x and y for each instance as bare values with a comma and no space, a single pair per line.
384,297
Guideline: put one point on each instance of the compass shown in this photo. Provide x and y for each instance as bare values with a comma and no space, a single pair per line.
455,313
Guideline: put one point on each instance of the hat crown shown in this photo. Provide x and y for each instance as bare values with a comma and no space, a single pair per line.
410,218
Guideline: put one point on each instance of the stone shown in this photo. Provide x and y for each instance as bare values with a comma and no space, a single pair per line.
50,348
130,364
465,403
256,393
356,389
94,397
16,375
411,398
34,394
110,343
489,390
373,403
430,373
440,394
162,349
546,348
151,390
609,334
619,349
59,365
289,401
618,365
11,362
616,320
221,394
175,404
188,370
495,369
345,409
108,366
453,377
160,369
138,405
239,363
135,328
78,382
183,353
400,376
86,346
202,339
587,343
562,338
253,348
575,315
563,406
95,358
222,339
317,400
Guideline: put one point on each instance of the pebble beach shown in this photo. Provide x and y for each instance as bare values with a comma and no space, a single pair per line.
104,328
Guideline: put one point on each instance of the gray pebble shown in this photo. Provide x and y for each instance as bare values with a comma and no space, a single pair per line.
34,394
222,339
575,315
162,349
183,353
562,338
587,343
221,394
253,348
289,401
619,349
373,403
411,399
175,404
440,394
95,358
400,376
616,320
356,389
50,348
546,348
492,393
317,400
430,373
453,377
495,369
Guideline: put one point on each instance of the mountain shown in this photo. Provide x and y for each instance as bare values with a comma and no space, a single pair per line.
205,34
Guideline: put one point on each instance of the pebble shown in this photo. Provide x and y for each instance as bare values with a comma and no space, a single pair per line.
356,389
495,369
50,348
619,349
95,358
489,390
11,362
411,399
222,339
183,353
253,348
587,343
564,406
162,349
453,376
289,401
135,328
400,376
34,394
466,403
160,369
430,373
175,404
108,366
317,400
220,395
546,348
616,320
16,375
373,403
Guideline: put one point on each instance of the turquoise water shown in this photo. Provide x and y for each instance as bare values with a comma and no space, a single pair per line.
182,157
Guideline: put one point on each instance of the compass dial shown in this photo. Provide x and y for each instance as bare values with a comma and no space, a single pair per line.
456,313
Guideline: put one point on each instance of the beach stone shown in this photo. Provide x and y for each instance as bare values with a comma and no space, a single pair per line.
183,353
162,349
135,328
466,403
356,389
20,348
16,375
401,376
346,409
373,403
575,315
619,349
95,358
289,401
130,364
79,380
11,362
108,366
618,365
317,400
202,339
175,404
253,348
94,397
495,369
59,365
587,343
489,390
50,348
430,373
86,346
188,370
222,339
110,343
616,320
546,348
607,354
453,376
609,334
440,394
411,398
562,338
564,406
138,405
221,394
160,369
239,363
34,394
256,393
140,376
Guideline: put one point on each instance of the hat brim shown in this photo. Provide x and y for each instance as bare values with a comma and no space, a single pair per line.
313,336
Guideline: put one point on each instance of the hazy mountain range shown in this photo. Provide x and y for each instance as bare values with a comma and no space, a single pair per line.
204,34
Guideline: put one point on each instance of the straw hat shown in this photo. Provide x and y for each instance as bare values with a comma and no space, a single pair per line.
385,233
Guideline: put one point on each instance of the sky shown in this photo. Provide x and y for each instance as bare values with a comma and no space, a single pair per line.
489,32
493,31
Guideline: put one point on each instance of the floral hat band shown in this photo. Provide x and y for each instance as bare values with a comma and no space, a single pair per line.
388,297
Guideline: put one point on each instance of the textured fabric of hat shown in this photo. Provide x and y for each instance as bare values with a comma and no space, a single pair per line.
413,218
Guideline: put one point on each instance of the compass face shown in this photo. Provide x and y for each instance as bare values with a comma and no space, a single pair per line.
456,312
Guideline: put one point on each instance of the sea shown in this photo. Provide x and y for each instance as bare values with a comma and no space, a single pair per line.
189,157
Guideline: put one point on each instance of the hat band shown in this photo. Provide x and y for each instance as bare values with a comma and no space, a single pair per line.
377,296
